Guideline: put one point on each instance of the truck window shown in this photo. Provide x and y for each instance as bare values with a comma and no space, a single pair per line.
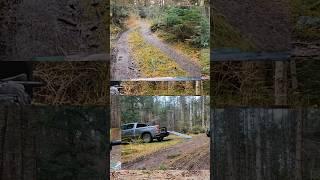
141,125
127,126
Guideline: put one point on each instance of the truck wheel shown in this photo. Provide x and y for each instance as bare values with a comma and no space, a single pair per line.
160,139
147,138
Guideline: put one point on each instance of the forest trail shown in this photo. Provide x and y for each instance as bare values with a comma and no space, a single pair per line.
122,66
183,61
191,154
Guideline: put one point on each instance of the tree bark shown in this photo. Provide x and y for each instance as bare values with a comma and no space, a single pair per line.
299,146
202,111
293,71
280,84
190,116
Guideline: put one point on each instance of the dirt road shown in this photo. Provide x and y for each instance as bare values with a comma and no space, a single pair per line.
123,66
183,61
191,154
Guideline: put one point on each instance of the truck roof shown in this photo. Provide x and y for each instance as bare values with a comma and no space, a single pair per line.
134,123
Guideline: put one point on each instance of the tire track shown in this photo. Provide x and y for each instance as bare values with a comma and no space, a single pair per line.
183,61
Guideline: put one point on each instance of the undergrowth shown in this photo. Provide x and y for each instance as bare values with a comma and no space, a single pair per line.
162,88
184,24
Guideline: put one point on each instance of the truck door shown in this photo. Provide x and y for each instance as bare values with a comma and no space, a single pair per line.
140,129
127,131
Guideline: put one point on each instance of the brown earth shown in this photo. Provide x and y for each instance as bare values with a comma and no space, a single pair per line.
122,64
160,174
191,154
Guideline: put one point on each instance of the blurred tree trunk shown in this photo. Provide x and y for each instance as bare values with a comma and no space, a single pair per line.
183,109
190,116
201,3
115,112
280,84
299,146
293,72
202,111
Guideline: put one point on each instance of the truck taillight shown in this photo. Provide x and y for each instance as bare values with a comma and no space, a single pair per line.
158,129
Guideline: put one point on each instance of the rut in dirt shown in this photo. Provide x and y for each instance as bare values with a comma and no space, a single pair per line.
192,154
122,65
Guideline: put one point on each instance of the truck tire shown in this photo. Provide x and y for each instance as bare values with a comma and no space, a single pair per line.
147,138
160,139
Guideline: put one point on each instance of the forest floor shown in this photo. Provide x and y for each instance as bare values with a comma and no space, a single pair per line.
189,154
126,64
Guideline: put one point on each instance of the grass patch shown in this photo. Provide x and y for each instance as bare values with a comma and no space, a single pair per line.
152,62
138,150
163,167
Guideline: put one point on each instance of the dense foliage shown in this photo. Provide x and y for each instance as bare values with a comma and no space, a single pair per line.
185,24
119,14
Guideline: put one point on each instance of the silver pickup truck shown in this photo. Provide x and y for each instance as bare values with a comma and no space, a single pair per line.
144,131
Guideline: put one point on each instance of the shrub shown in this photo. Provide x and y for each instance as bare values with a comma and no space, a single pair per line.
184,130
186,24
197,130
142,12
120,14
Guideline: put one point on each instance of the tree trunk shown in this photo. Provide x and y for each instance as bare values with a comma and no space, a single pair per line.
182,106
293,71
202,111
258,153
201,3
280,84
299,146
198,88
115,113
190,117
